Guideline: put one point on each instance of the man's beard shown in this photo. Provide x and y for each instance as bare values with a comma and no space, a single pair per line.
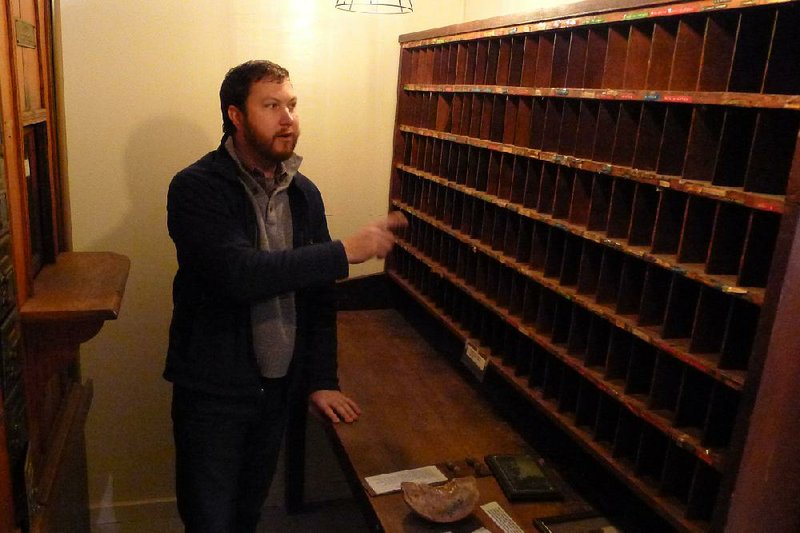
265,146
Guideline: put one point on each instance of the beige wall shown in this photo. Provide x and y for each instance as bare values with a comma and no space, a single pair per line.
140,82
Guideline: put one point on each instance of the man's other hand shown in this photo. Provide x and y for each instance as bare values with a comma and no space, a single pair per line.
335,405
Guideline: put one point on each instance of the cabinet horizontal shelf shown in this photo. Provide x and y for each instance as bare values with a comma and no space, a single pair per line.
676,347
684,476
767,101
695,272
555,19
763,202
698,46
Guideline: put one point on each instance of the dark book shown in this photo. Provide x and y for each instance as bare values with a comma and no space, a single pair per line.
522,478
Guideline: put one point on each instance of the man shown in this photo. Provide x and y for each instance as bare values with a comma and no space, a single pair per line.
254,317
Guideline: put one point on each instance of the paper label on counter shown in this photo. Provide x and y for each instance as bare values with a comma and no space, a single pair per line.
385,483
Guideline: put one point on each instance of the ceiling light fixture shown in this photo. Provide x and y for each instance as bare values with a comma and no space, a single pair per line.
383,7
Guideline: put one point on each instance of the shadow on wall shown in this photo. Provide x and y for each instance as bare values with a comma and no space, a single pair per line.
129,381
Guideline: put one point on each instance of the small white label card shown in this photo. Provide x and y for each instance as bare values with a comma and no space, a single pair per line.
385,483
474,360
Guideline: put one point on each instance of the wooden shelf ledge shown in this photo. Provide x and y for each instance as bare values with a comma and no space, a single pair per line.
79,286
74,296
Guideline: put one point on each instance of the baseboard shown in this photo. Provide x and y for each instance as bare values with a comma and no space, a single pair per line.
136,511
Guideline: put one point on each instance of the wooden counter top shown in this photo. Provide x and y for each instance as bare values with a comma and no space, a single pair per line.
418,410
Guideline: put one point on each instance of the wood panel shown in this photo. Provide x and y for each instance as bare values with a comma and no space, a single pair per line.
624,213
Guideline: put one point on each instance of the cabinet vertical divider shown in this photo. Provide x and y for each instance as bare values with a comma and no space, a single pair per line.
617,47
759,246
533,183
605,130
493,173
523,122
688,50
568,395
620,209
727,239
589,269
586,129
637,55
487,112
626,438
705,484
579,332
580,198
510,242
703,147
631,287
608,282
547,188
645,207
544,60
597,344
563,313
694,402
530,54
600,203
750,54
783,76
681,308
606,422
710,323
510,120
596,51
655,295
507,164
537,124
648,136
565,181
554,253
718,426
576,62
736,144
524,241
718,47
662,48
641,367
568,129
625,135
696,235
676,475
739,335
618,359
476,114
672,152
492,62
768,165
561,45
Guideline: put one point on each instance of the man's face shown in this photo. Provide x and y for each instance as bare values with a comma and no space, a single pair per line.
270,125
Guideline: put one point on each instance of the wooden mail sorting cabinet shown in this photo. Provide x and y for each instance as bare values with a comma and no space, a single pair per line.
595,202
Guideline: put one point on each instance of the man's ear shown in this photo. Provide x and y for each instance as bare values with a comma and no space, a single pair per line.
236,116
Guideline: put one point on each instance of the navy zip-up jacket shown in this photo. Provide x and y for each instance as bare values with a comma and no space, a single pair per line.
221,273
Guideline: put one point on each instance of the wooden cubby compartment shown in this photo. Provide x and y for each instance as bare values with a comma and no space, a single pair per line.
596,203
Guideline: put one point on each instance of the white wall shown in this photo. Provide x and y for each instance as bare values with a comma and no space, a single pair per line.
140,85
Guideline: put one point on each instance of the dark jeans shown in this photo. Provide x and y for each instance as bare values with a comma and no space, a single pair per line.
226,452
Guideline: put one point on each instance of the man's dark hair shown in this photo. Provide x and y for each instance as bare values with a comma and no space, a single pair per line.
236,86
